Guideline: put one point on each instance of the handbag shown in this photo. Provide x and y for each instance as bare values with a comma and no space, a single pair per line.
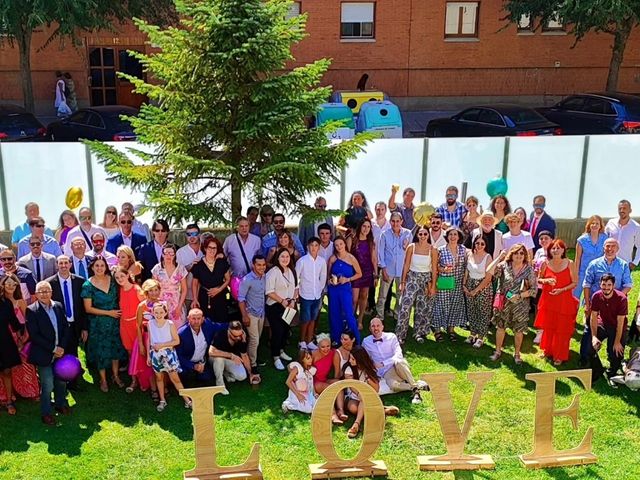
498,301
446,283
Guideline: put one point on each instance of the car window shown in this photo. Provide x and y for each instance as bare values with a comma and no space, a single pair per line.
599,106
116,124
491,117
574,104
470,115
525,116
25,120
78,117
94,120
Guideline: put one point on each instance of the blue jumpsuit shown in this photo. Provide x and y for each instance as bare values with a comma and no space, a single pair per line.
341,303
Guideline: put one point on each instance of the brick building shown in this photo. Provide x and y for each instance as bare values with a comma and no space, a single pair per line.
420,52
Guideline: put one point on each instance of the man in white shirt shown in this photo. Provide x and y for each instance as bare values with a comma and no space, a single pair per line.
386,354
240,247
85,230
98,240
189,255
627,231
516,235
437,235
380,224
312,278
326,245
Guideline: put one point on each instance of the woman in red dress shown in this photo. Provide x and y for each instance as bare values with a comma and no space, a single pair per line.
557,308
322,359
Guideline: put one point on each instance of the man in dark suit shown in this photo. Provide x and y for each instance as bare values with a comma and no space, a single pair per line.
540,220
150,253
126,235
79,260
66,290
41,264
49,333
193,350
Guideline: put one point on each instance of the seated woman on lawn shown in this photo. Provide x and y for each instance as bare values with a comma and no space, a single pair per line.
323,362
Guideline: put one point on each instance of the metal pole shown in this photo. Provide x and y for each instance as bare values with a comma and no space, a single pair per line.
90,189
343,180
583,175
505,157
3,195
425,167
463,192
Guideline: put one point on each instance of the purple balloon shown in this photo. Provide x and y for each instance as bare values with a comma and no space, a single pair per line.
67,368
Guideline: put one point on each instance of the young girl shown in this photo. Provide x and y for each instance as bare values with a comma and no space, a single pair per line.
163,337
300,382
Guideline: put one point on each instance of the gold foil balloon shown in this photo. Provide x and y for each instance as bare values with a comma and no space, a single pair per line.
422,214
74,197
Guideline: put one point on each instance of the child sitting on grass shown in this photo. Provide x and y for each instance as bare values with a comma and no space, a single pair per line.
300,382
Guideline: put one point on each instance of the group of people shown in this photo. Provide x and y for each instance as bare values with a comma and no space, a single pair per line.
66,100
195,315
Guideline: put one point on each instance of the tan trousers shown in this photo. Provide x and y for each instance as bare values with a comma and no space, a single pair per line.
399,377
254,330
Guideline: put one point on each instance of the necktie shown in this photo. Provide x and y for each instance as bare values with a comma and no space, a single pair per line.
82,271
376,340
534,225
38,274
67,299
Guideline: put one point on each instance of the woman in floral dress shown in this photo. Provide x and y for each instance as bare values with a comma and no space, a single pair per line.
173,283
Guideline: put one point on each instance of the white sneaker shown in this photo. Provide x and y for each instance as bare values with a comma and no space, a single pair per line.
422,385
538,338
479,343
312,346
278,364
417,399
285,409
303,345
284,356
225,391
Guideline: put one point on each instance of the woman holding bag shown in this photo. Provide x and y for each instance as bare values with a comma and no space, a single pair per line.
449,306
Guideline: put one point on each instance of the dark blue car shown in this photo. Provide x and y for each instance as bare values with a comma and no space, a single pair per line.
95,123
594,113
16,125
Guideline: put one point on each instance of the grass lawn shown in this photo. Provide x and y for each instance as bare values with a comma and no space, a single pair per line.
120,436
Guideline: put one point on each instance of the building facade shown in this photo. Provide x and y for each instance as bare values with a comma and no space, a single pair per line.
420,52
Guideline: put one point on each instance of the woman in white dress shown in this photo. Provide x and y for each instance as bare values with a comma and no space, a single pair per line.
301,396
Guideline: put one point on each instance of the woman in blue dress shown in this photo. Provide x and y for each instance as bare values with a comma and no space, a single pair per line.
343,269
589,246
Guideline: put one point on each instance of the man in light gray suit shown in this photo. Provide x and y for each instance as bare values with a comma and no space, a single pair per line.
41,264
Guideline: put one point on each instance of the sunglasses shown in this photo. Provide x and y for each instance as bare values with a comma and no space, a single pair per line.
321,206
169,253
112,213
192,234
39,225
157,230
126,222
423,234
98,241
35,244
235,337
6,259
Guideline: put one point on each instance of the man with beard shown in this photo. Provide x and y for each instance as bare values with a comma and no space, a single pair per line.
271,238
491,236
627,231
540,220
452,211
437,235
405,208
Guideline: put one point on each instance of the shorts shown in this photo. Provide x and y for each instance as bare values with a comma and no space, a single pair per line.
309,309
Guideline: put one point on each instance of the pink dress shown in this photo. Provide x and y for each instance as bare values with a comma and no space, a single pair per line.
138,364
24,376
170,290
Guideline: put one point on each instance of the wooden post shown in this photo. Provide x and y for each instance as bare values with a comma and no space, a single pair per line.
544,454
204,437
454,438
361,465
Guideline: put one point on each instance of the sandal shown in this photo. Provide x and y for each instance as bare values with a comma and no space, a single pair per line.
517,359
104,386
336,420
439,337
161,405
11,408
353,431
117,381
391,411
340,414
496,355
188,404
453,338
131,388
154,396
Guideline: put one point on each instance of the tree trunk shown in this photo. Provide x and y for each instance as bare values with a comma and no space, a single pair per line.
24,47
617,54
236,199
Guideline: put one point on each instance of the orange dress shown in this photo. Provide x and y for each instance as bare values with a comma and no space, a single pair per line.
556,315
128,306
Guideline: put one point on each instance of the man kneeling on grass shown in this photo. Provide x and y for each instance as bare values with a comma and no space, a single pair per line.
229,357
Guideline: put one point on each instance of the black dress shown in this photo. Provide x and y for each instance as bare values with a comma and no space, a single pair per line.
9,355
214,308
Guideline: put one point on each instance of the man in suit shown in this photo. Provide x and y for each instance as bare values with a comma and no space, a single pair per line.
79,260
41,264
126,235
49,333
150,253
540,220
8,265
193,350
66,290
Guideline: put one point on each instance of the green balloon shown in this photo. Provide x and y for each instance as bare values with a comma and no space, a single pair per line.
497,186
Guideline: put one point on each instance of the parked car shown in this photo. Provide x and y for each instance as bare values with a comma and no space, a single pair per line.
17,125
498,120
95,123
606,112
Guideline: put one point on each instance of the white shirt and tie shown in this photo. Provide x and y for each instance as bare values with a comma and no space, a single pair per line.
66,285
80,267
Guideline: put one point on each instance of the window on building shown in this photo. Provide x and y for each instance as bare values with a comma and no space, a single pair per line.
524,24
461,19
554,24
294,10
357,20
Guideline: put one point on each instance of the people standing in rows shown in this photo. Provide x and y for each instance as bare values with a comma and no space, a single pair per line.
285,240
31,210
417,286
125,236
251,301
80,260
310,221
105,350
557,308
271,239
589,246
110,221
27,282
391,247
189,255
211,277
452,211
265,225
281,289
127,260
98,240
150,254
406,208
478,292
38,228
342,270
137,226
449,303
516,284
363,247
522,216
240,247
515,235
492,237
66,223
540,220
471,219
627,232
436,232
193,351
500,208
172,278
311,271
611,263
357,210
84,230
41,264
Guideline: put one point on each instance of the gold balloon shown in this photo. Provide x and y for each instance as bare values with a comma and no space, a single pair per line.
74,197
422,214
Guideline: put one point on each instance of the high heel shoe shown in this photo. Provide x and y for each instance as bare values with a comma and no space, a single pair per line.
117,381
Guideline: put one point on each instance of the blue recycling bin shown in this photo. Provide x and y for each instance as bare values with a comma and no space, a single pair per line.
331,112
383,117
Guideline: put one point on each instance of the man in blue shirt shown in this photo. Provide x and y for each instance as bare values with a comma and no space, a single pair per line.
452,211
271,238
251,301
608,263
38,229
391,247
31,210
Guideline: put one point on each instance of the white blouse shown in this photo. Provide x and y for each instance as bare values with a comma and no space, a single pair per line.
282,284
